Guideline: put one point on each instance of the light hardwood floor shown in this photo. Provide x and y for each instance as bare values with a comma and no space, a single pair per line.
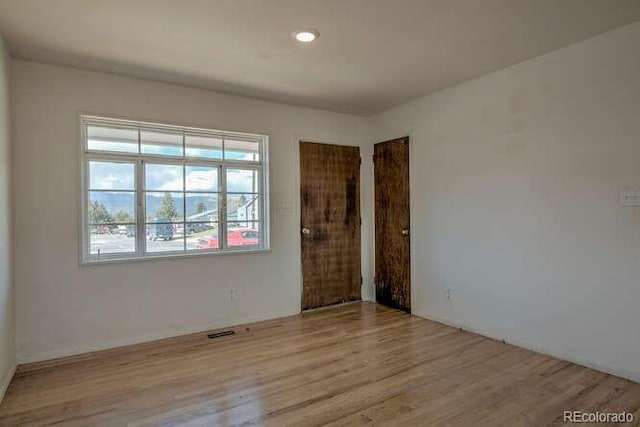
350,365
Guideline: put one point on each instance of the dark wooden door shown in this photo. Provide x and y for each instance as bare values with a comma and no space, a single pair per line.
393,267
330,220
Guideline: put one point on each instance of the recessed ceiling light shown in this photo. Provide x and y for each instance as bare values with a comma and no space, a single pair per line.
306,36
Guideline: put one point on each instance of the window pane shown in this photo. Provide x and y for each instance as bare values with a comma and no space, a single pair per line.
163,177
111,176
247,235
238,149
104,240
112,139
163,237
243,181
111,207
201,178
242,208
164,207
204,147
205,240
160,143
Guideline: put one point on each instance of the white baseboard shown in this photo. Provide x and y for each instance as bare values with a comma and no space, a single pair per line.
6,380
56,354
601,367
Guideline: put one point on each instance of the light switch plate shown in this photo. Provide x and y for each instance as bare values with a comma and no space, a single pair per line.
630,195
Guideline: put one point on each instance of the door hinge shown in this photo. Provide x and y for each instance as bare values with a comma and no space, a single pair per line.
360,221
361,280
359,160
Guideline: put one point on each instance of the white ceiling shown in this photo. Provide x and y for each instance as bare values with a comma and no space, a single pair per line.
371,54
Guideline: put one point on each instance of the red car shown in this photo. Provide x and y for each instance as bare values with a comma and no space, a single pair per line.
238,237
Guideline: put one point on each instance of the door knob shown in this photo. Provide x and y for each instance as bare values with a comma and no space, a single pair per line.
306,231
405,231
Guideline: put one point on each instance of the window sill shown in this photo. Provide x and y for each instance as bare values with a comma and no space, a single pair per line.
170,256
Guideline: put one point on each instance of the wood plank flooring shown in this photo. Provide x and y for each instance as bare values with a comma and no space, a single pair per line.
351,365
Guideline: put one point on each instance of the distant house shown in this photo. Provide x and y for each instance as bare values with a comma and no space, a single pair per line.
245,214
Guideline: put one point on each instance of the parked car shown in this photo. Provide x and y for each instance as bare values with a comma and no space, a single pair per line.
197,227
193,227
101,229
160,229
238,237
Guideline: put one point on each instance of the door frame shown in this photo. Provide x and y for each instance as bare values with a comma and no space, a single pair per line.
297,203
412,225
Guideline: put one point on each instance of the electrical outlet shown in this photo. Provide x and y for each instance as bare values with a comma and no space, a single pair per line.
630,195
232,294
449,294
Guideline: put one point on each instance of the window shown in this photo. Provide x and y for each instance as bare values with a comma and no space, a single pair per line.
152,190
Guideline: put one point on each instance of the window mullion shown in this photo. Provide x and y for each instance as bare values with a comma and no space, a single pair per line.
184,193
222,214
222,228
86,244
141,235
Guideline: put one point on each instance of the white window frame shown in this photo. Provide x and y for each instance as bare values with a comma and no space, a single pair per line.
139,159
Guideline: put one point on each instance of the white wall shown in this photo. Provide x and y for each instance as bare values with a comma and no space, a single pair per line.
515,203
7,335
62,308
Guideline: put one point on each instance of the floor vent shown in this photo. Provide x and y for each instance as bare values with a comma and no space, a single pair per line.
221,334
